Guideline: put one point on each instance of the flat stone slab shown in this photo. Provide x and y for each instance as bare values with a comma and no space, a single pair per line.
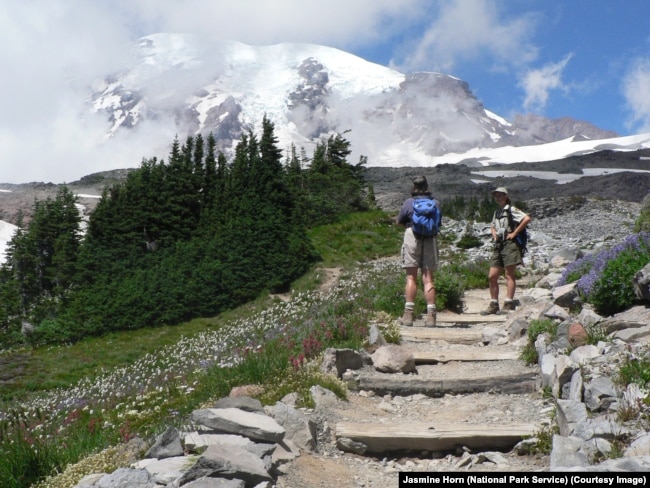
430,357
434,437
405,385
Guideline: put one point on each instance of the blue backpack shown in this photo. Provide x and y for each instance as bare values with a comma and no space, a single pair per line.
426,217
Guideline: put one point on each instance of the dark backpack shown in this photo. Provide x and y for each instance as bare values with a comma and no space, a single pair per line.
426,218
522,238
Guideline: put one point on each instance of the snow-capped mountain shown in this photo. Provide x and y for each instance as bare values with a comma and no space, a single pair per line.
310,92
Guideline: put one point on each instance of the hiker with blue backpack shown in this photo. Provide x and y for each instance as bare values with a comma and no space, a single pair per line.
509,236
421,216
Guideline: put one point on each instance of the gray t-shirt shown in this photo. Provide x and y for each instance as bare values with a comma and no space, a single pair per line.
500,218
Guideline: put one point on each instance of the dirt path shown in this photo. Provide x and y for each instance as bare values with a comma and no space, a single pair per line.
330,466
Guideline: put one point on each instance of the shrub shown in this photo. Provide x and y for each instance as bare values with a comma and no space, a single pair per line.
634,370
468,241
535,329
642,222
449,290
605,278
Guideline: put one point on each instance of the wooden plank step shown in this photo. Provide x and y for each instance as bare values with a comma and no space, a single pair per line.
406,385
468,318
434,437
429,357
453,336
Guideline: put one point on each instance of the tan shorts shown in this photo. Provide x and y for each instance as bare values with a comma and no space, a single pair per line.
506,255
419,253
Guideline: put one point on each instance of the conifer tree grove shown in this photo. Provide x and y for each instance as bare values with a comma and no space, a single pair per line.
190,236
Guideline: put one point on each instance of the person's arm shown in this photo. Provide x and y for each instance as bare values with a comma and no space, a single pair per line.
403,217
525,220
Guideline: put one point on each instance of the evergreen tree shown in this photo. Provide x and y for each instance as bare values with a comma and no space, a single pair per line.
42,258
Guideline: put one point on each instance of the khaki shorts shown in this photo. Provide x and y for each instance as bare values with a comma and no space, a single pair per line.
506,255
419,253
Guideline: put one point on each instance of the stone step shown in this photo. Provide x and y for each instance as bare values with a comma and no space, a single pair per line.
406,385
467,354
434,437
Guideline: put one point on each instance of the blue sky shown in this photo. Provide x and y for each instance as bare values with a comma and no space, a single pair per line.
587,59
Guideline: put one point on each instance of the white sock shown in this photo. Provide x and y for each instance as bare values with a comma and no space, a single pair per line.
431,308
409,306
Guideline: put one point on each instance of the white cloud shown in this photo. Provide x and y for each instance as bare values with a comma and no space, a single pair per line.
53,50
539,82
636,89
465,30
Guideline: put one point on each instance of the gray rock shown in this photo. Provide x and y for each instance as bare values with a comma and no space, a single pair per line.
348,445
583,354
338,361
632,334
603,427
245,403
557,312
228,462
199,442
299,428
166,471
588,318
518,330
576,387
168,444
597,390
566,454
569,414
393,359
234,421
323,397
215,483
632,318
566,256
127,478
639,447
376,338
566,296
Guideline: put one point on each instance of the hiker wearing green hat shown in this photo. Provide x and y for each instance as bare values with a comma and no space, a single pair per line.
507,223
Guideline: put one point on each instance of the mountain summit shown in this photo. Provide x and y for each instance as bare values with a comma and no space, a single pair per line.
310,92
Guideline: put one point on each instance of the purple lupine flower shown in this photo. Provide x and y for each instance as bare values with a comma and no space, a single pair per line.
596,263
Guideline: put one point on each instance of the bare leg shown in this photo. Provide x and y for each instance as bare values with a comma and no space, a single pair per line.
511,280
493,278
429,286
411,284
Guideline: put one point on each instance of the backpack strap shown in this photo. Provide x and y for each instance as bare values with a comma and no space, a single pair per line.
511,221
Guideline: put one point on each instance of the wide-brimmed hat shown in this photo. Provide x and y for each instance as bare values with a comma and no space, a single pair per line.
501,189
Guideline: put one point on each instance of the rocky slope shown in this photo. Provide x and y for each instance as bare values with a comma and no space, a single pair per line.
393,185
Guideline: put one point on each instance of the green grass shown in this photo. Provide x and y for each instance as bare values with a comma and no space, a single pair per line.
634,370
535,329
358,237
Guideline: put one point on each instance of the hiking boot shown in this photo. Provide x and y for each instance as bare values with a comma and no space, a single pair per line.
493,308
508,306
430,319
407,318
